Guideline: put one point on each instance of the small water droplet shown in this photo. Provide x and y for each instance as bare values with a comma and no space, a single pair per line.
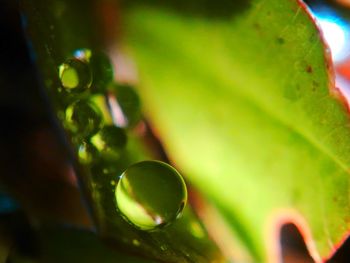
129,103
135,242
100,65
75,75
110,141
86,153
151,194
102,70
83,118
107,168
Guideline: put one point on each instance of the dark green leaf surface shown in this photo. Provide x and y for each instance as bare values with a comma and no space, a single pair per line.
56,29
244,105
71,245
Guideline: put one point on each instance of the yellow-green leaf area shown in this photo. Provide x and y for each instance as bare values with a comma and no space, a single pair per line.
242,104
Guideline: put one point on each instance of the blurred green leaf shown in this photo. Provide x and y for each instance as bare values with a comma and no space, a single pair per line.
245,106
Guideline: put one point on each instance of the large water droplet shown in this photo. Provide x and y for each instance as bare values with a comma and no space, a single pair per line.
129,102
83,118
75,75
110,141
151,194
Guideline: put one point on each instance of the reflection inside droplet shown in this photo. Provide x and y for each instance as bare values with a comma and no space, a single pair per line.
125,105
151,194
83,54
83,118
135,242
116,112
75,75
86,153
110,141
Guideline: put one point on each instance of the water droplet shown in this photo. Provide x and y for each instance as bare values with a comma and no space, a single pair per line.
151,194
100,65
102,70
83,118
129,103
75,75
135,242
86,153
110,141
107,169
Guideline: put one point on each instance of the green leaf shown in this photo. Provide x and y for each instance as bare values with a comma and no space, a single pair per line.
245,106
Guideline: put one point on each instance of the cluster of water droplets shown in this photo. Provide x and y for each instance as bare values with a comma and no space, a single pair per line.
87,79
98,115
